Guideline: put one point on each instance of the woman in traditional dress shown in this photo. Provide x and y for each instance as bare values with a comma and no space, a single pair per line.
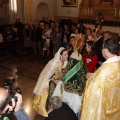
45,85
74,78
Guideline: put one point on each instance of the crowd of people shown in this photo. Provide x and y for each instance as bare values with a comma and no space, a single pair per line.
84,55
82,81
39,37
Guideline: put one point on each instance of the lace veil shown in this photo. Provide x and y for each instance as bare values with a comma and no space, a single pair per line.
46,73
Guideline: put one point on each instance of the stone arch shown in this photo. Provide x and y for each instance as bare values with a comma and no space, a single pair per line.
42,10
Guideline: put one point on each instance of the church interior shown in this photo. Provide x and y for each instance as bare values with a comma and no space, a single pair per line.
24,66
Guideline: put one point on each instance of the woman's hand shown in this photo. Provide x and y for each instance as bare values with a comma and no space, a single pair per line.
88,75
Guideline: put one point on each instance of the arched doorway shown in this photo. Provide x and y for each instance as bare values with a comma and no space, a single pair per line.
42,11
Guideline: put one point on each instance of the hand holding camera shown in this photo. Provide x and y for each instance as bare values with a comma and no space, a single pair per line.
15,95
11,102
15,105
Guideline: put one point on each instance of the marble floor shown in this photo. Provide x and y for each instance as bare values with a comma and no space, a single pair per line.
26,70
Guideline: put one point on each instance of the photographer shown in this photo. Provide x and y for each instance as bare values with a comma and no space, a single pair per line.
5,108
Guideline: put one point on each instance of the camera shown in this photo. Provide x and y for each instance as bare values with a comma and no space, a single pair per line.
8,85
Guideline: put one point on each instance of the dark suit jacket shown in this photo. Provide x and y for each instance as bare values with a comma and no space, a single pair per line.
99,44
37,34
62,113
19,25
67,35
82,29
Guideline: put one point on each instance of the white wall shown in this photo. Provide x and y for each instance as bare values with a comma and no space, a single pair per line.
35,5
67,11
42,7
56,9
20,10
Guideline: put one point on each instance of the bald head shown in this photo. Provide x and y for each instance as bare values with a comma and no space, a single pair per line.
4,98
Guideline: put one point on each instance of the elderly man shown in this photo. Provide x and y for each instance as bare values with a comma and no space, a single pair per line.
19,113
101,99
59,110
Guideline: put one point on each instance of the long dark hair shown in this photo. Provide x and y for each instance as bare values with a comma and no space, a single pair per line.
93,48
62,51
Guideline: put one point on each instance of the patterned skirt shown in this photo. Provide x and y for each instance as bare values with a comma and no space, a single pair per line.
41,103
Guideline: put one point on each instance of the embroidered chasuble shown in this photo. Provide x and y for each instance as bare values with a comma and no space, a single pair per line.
101,100
74,76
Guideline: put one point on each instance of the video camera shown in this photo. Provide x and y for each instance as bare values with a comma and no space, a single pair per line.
8,85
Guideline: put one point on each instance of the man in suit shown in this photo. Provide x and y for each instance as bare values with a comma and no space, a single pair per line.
37,38
81,28
18,23
99,44
59,110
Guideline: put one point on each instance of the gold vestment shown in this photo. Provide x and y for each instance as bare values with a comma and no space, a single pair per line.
101,99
